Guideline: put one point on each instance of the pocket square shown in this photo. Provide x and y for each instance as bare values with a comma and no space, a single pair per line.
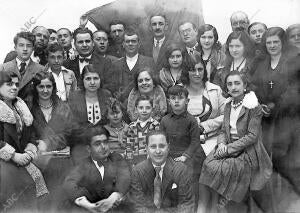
174,186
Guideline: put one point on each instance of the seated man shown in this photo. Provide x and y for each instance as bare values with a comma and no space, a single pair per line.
102,180
159,184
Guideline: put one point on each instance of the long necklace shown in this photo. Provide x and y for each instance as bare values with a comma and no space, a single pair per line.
46,107
238,67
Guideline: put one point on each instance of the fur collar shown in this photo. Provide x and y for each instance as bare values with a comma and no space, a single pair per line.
250,100
7,114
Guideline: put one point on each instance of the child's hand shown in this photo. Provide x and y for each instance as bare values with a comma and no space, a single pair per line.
181,158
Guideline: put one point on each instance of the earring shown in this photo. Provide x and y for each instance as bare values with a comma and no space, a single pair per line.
245,90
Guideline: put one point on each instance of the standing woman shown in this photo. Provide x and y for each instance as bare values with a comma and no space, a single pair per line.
239,162
211,52
89,109
239,56
271,80
146,84
170,74
17,151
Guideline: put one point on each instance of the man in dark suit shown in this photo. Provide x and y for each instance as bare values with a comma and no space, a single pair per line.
23,65
117,29
41,41
156,47
159,184
84,45
188,34
125,68
64,38
100,182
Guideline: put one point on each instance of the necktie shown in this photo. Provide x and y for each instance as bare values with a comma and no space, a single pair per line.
22,68
191,51
157,188
87,60
156,51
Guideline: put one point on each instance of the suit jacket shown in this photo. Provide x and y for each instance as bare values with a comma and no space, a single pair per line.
177,188
123,77
161,59
26,84
41,58
77,104
85,179
100,64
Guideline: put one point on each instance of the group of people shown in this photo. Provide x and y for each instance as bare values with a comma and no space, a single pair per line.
149,126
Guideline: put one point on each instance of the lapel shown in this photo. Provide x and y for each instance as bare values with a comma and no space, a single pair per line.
149,176
31,70
227,110
167,176
93,173
241,114
81,104
162,51
109,171
136,66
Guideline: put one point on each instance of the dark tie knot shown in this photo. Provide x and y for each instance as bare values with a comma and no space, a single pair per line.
87,60
157,169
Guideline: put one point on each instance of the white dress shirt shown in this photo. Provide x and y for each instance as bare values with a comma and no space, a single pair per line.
19,63
100,168
84,63
60,84
131,61
160,42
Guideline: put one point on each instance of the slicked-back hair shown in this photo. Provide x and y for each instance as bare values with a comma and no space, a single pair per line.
82,31
156,132
26,35
92,131
256,23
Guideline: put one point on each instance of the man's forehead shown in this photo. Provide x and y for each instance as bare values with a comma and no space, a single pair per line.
100,34
63,31
58,52
42,30
239,17
157,18
83,36
117,27
98,138
130,37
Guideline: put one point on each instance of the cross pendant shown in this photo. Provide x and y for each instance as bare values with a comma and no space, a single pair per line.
271,83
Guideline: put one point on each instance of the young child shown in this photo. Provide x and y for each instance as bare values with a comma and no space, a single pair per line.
116,126
182,130
137,130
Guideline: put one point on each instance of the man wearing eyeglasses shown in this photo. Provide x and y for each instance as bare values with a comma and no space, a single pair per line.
125,68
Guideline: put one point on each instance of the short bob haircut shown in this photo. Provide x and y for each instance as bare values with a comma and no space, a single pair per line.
114,105
37,80
82,31
92,131
156,132
26,35
178,90
150,72
244,38
207,27
256,23
89,69
275,31
190,65
143,98
243,77
170,49
5,77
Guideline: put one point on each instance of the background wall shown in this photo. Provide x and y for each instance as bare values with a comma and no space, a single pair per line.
16,15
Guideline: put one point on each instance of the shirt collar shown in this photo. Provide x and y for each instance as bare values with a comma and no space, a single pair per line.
161,41
88,57
134,58
161,166
148,120
184,114
192,48
19,62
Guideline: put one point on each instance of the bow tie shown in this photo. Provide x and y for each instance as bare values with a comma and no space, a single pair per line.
87,60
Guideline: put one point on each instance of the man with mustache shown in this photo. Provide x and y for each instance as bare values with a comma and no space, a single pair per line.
156,47
41,41
23,65
84,44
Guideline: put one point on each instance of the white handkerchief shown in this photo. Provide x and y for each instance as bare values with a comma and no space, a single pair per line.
174,186
83,202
